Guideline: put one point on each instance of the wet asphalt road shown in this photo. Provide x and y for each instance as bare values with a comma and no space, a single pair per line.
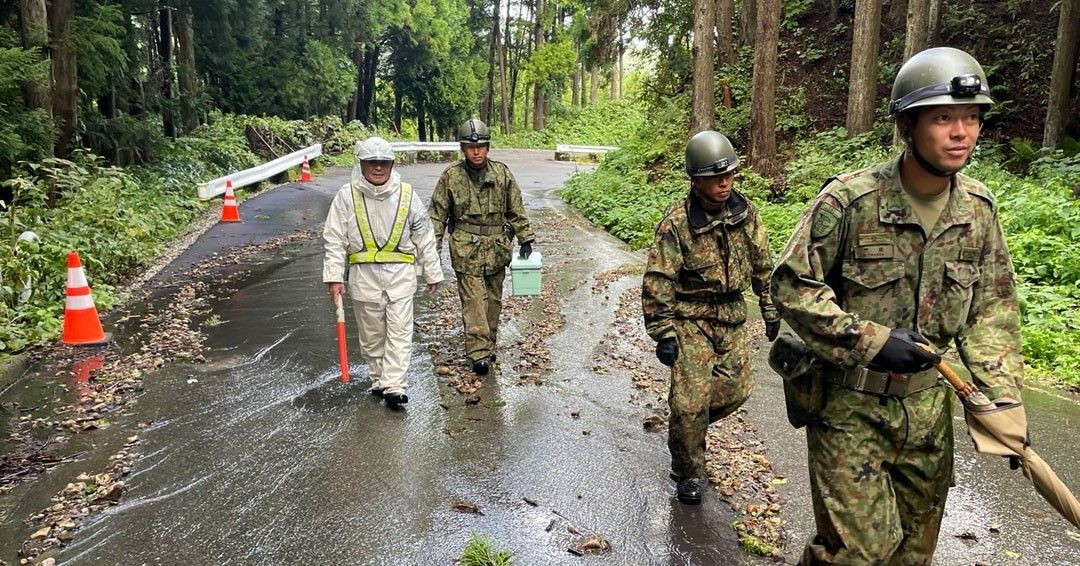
267,459
260,456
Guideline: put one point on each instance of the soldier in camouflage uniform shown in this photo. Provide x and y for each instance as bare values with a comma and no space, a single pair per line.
907,251
478,201
710,247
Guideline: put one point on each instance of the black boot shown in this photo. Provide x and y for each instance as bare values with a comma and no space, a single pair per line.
481,367
395,400
376,391
688,491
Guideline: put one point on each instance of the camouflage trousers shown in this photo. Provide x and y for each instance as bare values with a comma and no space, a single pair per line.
880,469
481,303
709,381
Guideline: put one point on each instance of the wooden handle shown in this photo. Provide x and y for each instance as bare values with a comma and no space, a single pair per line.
962,387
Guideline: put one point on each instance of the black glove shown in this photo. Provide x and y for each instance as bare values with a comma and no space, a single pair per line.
901,353
772,329
525,249
666,351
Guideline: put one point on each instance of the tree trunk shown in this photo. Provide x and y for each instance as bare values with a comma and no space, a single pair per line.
1063,75
622,74
897,12
398,102
762,93
703,103
165,51
489,102
35,37
613,81
354,102
371,107
366,111
421,120
185,35
862,85
504,103
539,90
574,95
748,22
725,10
594,84
582,82
918,12
64,75
933,23
525,114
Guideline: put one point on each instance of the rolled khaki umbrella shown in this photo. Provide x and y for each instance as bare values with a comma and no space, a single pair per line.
1001,430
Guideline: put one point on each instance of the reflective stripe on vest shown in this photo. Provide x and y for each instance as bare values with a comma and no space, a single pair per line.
388,253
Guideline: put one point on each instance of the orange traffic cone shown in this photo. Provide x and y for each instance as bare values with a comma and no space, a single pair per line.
230,213
81,323
305,172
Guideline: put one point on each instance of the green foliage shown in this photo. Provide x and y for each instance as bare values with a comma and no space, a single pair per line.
113,219
630,190
320,81
25,134
609,123
481,551
551,64
97,37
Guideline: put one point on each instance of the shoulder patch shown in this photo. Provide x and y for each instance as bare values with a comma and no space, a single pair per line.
826,217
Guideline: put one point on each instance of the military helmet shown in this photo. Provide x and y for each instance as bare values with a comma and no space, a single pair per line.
710,153
473,131
940,75
374,149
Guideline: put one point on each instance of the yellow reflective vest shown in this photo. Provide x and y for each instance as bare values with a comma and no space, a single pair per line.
388,252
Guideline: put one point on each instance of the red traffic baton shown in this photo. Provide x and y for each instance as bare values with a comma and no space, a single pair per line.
343,353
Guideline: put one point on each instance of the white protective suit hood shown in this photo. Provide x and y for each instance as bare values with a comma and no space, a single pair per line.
377,192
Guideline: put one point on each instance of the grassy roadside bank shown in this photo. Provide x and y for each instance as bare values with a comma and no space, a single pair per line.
630,190
121,218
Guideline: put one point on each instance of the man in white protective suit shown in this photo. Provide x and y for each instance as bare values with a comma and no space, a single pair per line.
380,229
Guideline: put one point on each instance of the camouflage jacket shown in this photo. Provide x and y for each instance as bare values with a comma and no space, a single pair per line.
700,265
860,264
483,212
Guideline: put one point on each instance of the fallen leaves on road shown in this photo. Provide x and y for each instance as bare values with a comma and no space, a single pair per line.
462,506
106,380
967,535
654,422
590,545
736,460
86,495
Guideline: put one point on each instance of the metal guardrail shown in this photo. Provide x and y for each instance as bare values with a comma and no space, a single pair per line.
407,146
216,187
583,149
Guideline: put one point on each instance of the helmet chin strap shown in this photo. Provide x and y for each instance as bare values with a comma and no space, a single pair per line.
929,167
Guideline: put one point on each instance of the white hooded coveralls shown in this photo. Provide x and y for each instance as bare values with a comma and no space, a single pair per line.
382,293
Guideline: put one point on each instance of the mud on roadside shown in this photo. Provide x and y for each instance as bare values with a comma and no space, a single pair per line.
161,325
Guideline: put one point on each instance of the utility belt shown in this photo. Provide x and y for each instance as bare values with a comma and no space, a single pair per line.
709,297
479,229
805,377
884,383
